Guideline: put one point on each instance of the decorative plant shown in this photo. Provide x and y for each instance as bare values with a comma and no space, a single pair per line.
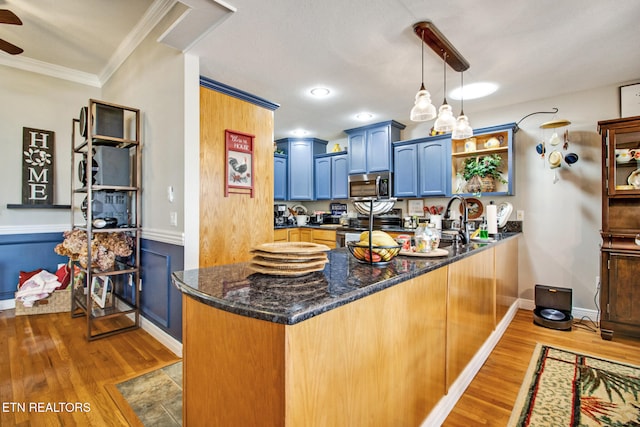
487,166
105,247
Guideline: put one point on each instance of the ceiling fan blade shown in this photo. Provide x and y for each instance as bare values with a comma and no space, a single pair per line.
8,17
10,48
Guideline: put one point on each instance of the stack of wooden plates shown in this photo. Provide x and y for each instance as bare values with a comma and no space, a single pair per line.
291,259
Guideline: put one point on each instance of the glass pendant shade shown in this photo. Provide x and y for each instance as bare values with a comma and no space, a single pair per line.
423,109
462,129
445,121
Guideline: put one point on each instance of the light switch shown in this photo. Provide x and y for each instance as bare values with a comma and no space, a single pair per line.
170,194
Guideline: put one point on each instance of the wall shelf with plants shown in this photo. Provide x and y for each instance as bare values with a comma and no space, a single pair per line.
484,163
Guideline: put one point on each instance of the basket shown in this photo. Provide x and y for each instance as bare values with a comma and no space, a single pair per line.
59,301
382,254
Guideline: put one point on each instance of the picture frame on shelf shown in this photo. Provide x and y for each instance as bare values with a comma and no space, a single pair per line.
630,100
100,288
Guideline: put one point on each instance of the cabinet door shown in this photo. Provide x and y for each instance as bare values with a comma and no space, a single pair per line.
433,172
339,177
378,149
405,159
279,178
624,294
358,152
323,178
300,170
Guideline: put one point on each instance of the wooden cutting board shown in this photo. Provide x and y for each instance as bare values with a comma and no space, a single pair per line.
434,253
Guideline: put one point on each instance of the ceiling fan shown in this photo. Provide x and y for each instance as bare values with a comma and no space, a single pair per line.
8,17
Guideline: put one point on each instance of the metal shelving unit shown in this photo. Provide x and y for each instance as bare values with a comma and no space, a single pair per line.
103,124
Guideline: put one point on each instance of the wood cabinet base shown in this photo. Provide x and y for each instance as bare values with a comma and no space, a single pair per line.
378,361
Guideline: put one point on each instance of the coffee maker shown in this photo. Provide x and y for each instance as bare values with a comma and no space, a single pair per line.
279,214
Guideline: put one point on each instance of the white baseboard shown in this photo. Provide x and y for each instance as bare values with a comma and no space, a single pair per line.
577,312
165,339
442,409
7,304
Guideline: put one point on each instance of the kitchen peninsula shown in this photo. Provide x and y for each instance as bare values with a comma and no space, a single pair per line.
353,344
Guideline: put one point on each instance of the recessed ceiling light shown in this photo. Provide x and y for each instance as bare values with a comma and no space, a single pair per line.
299,132
320,92
363,117
474,90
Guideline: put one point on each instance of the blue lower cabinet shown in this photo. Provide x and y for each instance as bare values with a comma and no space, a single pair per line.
422,167
160,301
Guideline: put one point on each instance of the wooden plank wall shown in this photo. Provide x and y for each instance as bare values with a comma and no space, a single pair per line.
230,226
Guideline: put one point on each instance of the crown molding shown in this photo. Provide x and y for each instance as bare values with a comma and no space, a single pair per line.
151,18
51,70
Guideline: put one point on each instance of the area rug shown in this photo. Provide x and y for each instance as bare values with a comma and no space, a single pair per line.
563,388
155,397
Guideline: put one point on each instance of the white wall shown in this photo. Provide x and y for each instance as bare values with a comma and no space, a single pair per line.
152,79
33,100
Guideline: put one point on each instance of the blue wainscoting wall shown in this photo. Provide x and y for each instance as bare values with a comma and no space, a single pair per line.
26,252
161,302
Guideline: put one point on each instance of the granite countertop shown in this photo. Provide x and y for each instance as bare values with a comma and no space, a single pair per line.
238,289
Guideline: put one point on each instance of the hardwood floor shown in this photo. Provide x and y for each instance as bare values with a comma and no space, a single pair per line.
45,360
489,399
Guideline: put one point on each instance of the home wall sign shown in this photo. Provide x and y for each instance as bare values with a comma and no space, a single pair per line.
37,166
239,163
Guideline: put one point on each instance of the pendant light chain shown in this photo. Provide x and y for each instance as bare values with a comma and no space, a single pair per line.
462,93
444,57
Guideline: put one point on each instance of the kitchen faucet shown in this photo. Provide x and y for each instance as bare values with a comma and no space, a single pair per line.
464,224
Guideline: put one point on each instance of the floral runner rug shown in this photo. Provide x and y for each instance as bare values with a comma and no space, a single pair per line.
563,388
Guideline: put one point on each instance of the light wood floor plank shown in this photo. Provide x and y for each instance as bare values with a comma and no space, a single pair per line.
489,399
46,359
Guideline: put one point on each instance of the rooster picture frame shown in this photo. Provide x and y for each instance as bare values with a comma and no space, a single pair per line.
238,163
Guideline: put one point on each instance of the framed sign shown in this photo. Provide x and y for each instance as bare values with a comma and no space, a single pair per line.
37,166
239,163
630,100
100,287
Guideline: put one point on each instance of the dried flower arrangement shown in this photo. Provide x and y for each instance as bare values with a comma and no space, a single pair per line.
104,248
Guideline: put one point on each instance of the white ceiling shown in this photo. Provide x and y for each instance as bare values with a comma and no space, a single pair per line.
364,50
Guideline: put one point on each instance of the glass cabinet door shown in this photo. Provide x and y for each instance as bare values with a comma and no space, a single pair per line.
624,161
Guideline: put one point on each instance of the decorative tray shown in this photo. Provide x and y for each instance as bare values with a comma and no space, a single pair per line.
434,253
291,248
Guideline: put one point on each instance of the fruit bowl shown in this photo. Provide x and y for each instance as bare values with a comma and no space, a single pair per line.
378,255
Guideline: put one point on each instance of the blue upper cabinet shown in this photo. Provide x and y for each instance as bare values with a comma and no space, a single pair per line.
495,141
434,168
279,177
323,178
405,164
340,176
331,176
300,165
422,167
370,146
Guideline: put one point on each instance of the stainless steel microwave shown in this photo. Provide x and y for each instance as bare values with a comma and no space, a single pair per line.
372,186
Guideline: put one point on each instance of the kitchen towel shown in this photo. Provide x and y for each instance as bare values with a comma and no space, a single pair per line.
492,219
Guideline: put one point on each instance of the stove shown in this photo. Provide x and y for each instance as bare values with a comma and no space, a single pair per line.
391,219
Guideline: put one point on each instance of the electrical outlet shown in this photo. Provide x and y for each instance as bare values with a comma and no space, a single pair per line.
520,215
173,218
597,283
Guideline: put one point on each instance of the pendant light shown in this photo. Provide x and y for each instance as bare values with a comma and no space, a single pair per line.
462,129
445,121
423,109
